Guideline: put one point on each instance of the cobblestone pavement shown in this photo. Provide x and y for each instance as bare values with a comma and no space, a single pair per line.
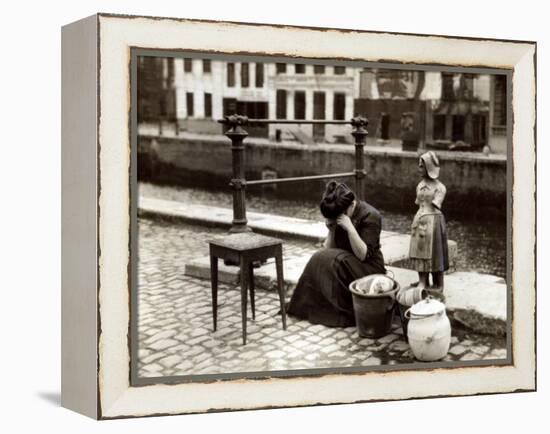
175,320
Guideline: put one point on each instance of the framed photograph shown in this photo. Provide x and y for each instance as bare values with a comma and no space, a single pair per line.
262,216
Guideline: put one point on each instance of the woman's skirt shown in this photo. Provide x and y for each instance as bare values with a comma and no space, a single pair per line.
322,295
429,252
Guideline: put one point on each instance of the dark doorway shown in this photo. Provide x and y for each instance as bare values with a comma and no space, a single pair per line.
439,127
459,122
384,126
479,122
252,109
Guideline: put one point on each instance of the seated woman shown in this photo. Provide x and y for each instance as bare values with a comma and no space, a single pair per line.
352,250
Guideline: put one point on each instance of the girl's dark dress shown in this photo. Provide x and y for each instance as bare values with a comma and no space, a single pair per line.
322,295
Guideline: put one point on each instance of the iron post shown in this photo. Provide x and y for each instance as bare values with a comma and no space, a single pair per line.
236,133
360,134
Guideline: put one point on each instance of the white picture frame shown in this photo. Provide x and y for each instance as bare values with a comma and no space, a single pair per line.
96,214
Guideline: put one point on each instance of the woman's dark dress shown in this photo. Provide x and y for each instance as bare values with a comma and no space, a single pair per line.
322,295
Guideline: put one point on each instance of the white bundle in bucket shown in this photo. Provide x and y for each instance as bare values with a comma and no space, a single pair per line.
373,285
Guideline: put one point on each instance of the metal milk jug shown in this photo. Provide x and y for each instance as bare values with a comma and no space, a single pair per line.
429,330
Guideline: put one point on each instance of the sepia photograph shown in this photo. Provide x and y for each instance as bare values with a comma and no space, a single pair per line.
297,217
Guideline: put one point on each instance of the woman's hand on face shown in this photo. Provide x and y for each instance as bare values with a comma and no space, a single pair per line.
344,222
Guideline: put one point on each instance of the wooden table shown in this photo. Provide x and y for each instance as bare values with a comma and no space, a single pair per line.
244,249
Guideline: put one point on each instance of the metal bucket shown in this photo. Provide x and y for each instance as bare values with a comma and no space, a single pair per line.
373,312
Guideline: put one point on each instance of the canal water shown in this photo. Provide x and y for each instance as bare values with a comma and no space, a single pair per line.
481,244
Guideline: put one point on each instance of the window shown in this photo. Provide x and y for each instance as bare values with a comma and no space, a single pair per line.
339,70
244,75
499,102
207,105
319,113
230,75
281,68
299,105
281,104
188,65
318,105
385,126
299,68
447,90
339,106
206,66
479,124
439,127
170,72
190,104
259,75
319,69
468,86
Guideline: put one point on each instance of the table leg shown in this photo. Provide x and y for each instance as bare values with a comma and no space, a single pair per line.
244,295
214,280
251,289
280,285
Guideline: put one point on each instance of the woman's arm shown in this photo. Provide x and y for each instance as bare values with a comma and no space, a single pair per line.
358,246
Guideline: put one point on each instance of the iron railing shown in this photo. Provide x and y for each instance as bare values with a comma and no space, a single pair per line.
236,133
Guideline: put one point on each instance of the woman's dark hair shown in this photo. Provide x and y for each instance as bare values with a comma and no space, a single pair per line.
336,199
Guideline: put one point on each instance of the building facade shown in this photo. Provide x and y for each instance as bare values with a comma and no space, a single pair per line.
439,110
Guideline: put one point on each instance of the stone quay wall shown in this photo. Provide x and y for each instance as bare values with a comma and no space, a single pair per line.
476,184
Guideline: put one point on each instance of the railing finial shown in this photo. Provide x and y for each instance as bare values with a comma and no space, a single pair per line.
359,123
234,122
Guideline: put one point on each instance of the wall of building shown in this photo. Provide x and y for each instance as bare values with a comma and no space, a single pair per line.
476,186
366,91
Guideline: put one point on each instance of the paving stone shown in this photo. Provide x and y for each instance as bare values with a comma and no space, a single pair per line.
201,357
366,341
499,353
388,338
249,355
338,354
197,340
399,346
344,342
329,349
371,361
178,349
326,332
327,341
469,356
457,350
151,358
479,349
163,344
143,352
198,332
170,361
276,354
159,336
